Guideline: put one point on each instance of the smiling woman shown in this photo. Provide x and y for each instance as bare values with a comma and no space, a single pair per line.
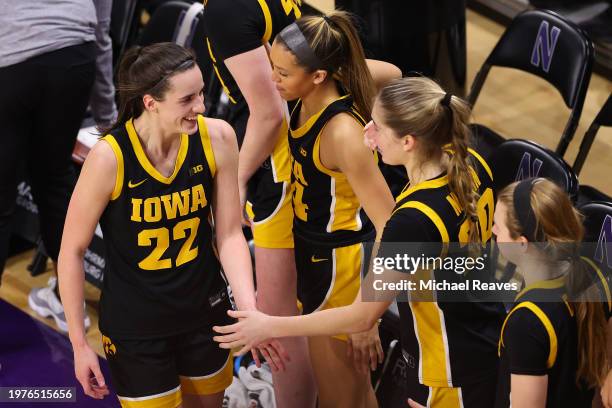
153,182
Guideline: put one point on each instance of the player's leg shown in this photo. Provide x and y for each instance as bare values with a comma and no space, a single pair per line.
276,285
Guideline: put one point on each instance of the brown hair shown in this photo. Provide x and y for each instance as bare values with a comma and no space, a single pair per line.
414,106
560,225
147,70
335,43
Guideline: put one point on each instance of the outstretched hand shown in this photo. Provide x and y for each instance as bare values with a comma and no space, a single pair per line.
251,332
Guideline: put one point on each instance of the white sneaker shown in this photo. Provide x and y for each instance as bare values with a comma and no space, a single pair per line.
46,304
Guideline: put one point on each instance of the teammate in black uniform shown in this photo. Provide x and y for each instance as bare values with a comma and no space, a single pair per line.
154,182
553,341
449,199
335,183
238,35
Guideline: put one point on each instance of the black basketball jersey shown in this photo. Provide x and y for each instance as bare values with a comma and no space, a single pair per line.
326,209
541,338
451,344
237,26
162,273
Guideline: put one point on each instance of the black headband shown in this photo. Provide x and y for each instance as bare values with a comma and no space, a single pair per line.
523,209
295,41
188,63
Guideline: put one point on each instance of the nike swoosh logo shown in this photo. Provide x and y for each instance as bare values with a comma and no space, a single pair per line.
314,260
132,185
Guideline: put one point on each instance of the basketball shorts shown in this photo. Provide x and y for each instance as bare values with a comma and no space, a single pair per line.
327,277
157,372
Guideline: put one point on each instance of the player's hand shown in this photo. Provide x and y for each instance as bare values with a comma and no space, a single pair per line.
606,391
242,192
366,350
250,331
274,353
87,370
413,404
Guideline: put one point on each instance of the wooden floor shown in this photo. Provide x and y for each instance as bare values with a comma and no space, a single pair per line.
515,104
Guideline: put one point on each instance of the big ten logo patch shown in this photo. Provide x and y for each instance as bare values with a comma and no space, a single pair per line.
196,169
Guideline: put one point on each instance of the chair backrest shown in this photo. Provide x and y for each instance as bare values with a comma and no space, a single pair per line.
603,118
543,43
597,242
520,159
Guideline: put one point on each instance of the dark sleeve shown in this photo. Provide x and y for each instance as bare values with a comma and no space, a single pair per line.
233,28
526,344
405,234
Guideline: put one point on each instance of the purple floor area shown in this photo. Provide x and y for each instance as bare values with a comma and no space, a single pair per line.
34,355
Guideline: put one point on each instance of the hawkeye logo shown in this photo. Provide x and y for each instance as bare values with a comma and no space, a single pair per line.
109,347
132,185
196,169
314,259
303,152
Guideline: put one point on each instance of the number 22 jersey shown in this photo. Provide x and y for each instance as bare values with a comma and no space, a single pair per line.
162,273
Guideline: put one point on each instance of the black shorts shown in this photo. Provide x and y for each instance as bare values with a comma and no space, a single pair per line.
327,277
158,371
474,395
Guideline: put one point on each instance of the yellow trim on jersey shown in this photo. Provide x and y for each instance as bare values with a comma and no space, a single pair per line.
445,397
268,17
209,384
430,330
434,183
345,208
431,214
604,282
552,336
144,160
280,159
207,145
112,142
482,161
545,284
474,153
221,81
170,399
301,131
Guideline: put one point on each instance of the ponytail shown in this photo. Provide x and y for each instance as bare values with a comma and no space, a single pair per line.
461,178
147,70
337,49
591,324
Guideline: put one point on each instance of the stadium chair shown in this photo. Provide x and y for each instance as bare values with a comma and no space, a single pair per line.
544,44
519,159
597,245
603,118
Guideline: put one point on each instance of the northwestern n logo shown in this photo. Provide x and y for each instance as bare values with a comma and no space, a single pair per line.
526,169
544,46
604,243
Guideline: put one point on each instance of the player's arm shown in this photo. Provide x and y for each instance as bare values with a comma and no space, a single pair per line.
91,194
231,245
341,149
253,74
382,72
528,391
255,327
